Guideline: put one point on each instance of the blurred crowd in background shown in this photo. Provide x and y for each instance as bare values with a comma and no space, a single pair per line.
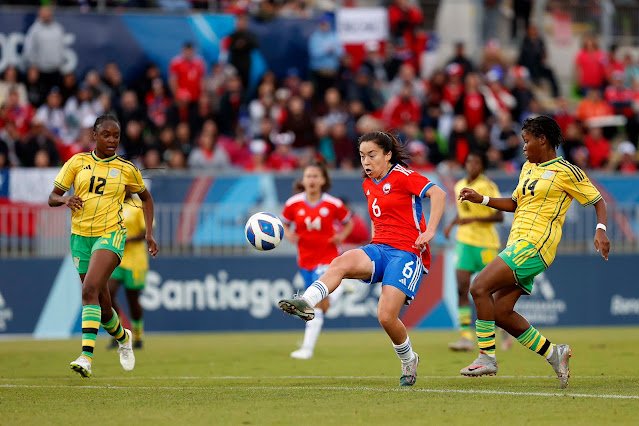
204,115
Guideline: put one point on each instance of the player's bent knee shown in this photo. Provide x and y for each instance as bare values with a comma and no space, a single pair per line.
478,290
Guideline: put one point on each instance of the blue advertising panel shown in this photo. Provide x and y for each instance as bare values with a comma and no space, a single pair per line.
24,289
241,293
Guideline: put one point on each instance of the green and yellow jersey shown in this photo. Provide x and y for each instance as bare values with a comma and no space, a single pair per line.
477,234
543,196
135,255
101,183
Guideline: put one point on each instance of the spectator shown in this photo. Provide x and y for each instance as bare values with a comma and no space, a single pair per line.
261,107
52,116
598,148
44,48
242,42
418,157
406,76
431,139
184,138
203,111
592,106
472,104
454,87
460,58
36,92
374,63
129,109
132,141
344,147
182,110
16,114
627,158
590,66
504,137
97,86
42,159
186,73
208,154
112,79
152,159
573,140
230,104
157,103
259,155
405,20
498,98
334,111
69,86
460,142
481,135
282,158
402,109
299,121
325,51
39,138
563,115
177,159
521,91
532,55
613,64
365,89
10,82
81,106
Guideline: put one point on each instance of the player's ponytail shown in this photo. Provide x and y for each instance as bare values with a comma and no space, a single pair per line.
544,126
389,143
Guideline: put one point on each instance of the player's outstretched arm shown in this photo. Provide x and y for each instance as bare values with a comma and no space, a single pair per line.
503,204
601,242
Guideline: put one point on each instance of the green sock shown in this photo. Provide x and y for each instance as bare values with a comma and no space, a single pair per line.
90,326
536,342
137,329
485,331
465,313
114,328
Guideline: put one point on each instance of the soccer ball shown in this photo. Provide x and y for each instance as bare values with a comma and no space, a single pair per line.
264,231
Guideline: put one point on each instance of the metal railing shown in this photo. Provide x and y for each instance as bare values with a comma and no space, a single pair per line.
218,229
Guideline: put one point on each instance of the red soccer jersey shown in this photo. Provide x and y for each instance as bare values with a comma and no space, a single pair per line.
395,207
189,74
314,225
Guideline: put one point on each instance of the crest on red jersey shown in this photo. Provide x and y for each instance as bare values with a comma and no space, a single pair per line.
386,188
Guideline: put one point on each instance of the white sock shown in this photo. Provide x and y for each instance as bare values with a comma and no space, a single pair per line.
315,293
313,330
551,351
404,351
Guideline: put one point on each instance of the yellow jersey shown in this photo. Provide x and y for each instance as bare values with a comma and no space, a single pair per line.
101,183
543,195
478,234
135,254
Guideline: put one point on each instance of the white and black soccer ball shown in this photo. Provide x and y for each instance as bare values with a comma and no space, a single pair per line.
264,231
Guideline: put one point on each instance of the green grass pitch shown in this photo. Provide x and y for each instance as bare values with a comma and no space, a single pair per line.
249,379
